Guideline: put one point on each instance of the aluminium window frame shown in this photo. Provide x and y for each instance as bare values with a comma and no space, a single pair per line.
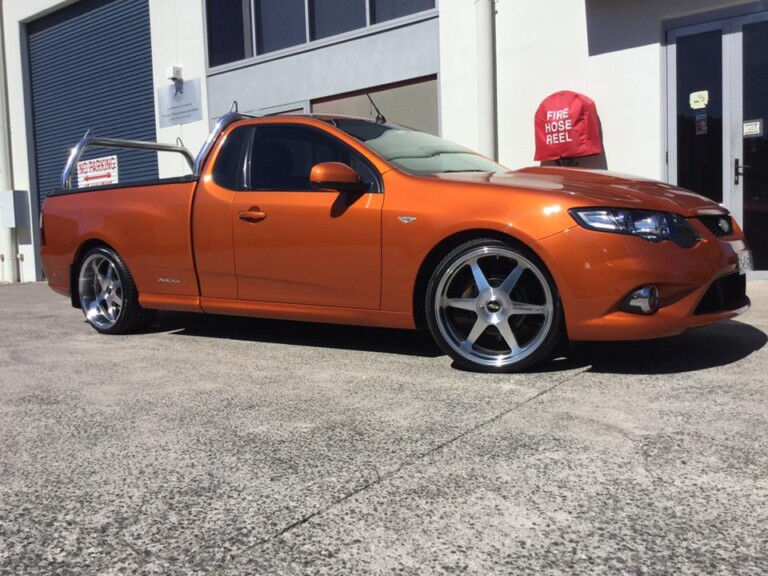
369,29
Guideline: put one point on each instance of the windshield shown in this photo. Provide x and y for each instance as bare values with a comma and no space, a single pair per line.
415,152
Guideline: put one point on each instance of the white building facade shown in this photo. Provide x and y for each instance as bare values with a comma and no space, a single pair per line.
681,86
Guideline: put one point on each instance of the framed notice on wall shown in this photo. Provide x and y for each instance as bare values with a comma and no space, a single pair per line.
179,103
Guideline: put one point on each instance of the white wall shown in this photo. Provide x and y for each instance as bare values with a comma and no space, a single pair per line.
610,50
458,75
178,39
15,13
626,85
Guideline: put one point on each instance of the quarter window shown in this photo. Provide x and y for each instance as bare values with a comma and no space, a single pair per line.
228,171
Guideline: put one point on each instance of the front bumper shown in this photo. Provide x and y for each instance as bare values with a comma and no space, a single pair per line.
595,271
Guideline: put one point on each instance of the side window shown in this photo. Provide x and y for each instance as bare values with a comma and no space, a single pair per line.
282,158
228,171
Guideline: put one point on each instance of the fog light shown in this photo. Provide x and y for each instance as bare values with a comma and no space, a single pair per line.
644,300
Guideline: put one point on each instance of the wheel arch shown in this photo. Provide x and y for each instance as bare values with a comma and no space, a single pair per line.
74,268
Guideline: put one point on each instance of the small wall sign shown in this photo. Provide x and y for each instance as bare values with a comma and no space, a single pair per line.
179,103
753,128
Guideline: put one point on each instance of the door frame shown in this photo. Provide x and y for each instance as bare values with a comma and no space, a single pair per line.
671,101
730,26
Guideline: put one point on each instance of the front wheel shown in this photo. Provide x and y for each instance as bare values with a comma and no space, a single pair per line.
493,307
108,294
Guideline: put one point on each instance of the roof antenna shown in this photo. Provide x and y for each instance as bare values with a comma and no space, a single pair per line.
379,116
233,108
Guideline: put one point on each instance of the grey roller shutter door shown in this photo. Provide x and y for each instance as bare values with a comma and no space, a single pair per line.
91,67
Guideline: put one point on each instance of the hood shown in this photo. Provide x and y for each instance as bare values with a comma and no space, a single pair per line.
598,188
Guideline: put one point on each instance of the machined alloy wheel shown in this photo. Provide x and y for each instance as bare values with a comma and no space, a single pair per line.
493,307
108,295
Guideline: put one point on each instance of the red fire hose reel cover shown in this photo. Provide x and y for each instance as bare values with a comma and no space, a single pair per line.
567,126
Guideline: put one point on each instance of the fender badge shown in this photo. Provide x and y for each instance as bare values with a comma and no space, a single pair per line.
406,219
169,280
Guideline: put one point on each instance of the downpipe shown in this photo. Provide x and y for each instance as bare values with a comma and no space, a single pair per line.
485,13
8,241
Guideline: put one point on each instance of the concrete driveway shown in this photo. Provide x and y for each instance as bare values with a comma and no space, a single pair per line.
214,445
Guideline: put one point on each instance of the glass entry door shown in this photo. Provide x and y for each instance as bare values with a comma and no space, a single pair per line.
754,182
718,109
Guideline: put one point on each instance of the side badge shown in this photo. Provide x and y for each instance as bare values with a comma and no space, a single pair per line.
406,219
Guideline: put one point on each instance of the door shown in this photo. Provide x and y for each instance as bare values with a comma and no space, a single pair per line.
297,245
718,106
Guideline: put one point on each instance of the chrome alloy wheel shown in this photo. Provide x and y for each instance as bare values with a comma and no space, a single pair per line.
101,291
493,306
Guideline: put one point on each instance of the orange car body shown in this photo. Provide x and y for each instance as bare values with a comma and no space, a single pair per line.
342,257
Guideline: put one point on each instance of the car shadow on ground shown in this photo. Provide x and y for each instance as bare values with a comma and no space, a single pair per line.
389,341
696,349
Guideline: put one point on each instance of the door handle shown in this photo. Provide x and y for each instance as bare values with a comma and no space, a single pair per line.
252,215
738,170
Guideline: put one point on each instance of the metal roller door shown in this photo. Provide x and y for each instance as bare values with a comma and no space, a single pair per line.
91,68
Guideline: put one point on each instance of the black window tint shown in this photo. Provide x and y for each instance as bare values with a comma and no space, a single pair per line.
227,22
282,158
228,170
279,24
700,131
383,10
331,17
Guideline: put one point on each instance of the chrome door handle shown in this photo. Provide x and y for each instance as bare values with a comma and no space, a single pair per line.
252,215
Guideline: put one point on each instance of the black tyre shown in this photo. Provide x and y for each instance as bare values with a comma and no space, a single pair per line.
108,294
493,307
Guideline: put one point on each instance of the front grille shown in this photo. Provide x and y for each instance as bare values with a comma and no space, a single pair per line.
726,293
713,224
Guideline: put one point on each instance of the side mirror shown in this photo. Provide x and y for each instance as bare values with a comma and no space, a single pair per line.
336,176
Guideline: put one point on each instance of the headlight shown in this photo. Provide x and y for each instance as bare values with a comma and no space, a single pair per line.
652,226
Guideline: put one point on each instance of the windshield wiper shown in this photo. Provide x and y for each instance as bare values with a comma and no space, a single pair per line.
466,170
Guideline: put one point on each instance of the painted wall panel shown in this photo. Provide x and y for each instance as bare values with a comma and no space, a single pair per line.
400,54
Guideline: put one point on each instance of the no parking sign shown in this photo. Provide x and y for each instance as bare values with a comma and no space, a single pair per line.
97,172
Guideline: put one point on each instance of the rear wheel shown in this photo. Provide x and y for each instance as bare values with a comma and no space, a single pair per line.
493,307
108,294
